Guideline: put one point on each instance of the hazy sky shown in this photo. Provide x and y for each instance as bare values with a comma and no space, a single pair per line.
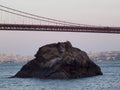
97,12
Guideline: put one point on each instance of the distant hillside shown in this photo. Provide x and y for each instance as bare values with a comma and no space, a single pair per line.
105,56
10,58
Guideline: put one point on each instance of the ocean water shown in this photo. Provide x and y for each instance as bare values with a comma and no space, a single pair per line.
110,80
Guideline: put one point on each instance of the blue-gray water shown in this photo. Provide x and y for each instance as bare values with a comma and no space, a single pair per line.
109,81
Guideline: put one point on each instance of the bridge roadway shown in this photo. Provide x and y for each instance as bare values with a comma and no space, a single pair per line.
89,29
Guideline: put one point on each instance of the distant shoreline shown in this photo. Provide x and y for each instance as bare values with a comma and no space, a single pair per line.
105,56
95,56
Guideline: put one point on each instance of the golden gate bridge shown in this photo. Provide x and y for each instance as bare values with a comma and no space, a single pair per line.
16,20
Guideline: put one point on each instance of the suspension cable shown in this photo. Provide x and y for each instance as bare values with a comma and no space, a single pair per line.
57,21
27,16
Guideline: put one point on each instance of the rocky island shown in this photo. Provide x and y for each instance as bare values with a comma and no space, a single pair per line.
59,61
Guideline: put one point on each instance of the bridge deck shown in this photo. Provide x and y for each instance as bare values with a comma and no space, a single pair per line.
26,27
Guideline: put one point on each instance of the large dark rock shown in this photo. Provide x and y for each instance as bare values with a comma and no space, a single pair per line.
59,61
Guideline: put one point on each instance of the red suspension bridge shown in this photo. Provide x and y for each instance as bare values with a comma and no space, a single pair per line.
16,20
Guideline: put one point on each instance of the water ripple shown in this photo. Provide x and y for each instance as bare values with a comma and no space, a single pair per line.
109,81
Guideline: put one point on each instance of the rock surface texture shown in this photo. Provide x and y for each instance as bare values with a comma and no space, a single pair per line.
59,61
